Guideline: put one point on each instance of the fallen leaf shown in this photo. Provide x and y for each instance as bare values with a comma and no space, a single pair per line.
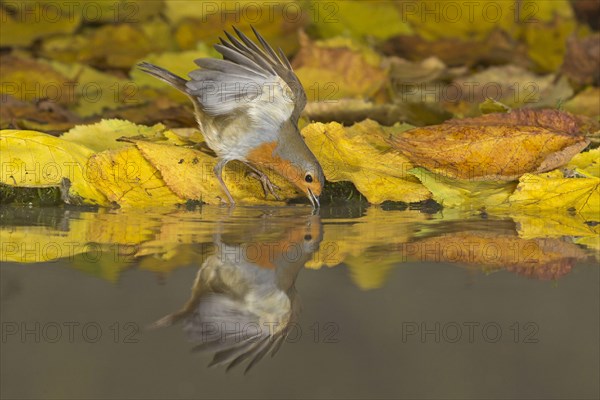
582,59
546,41
104,134
587,162
338,68
44,116
539,192
586,102
467,194
278,22
110,46
509,84
27,79
494,146
351,111
25,22
190,174
497,48
360,154
35,159
378,19
94,92
127,179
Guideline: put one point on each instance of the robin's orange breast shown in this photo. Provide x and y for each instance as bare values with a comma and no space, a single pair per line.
263,155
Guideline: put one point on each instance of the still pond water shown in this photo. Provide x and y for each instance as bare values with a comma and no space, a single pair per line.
351,303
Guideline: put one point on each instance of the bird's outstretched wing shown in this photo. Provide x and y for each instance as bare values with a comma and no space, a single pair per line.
259,83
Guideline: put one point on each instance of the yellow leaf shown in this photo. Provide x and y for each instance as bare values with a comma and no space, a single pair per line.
465,193
129,180
34,159
190,174
358,19
587,162
338,68
586,102
27,79
32,20
94,91
104,134
538,192
360,154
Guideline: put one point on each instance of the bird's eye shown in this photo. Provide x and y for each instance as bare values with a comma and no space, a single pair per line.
308,238
308,178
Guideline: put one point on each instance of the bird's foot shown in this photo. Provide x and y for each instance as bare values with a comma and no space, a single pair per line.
268,186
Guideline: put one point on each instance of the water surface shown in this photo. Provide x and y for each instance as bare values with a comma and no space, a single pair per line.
351,303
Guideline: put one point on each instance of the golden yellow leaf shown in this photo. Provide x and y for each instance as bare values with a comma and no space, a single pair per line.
358,19
360,154
586,102
495,146
104,134
337,68
94,92
126,178
538,192
33,20
190,174
35,159
587,162
27,79
465,193
199,21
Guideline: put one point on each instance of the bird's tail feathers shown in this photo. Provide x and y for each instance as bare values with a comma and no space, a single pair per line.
164,75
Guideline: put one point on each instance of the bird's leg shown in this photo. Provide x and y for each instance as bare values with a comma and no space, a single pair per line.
219,173
267,185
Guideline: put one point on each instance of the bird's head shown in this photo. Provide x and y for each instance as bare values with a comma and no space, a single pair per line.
308,177
301,166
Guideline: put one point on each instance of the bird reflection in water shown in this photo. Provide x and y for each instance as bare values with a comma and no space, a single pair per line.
243,303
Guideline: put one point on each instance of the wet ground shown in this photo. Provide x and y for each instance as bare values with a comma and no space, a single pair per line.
351,303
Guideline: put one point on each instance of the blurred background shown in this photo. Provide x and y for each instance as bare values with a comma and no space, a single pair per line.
65,63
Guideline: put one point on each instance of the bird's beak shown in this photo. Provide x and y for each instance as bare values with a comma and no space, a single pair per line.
313,199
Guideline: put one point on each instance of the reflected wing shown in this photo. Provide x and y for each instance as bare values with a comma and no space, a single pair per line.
250,81
225,327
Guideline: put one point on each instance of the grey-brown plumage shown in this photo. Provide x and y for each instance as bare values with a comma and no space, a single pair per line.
246,101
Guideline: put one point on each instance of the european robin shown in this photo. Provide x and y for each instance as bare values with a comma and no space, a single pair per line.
247,106
244,303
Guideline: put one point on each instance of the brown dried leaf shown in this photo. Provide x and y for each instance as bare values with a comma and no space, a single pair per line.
582,60
497,48
495,146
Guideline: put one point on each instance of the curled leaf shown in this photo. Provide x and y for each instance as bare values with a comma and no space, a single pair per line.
494,146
